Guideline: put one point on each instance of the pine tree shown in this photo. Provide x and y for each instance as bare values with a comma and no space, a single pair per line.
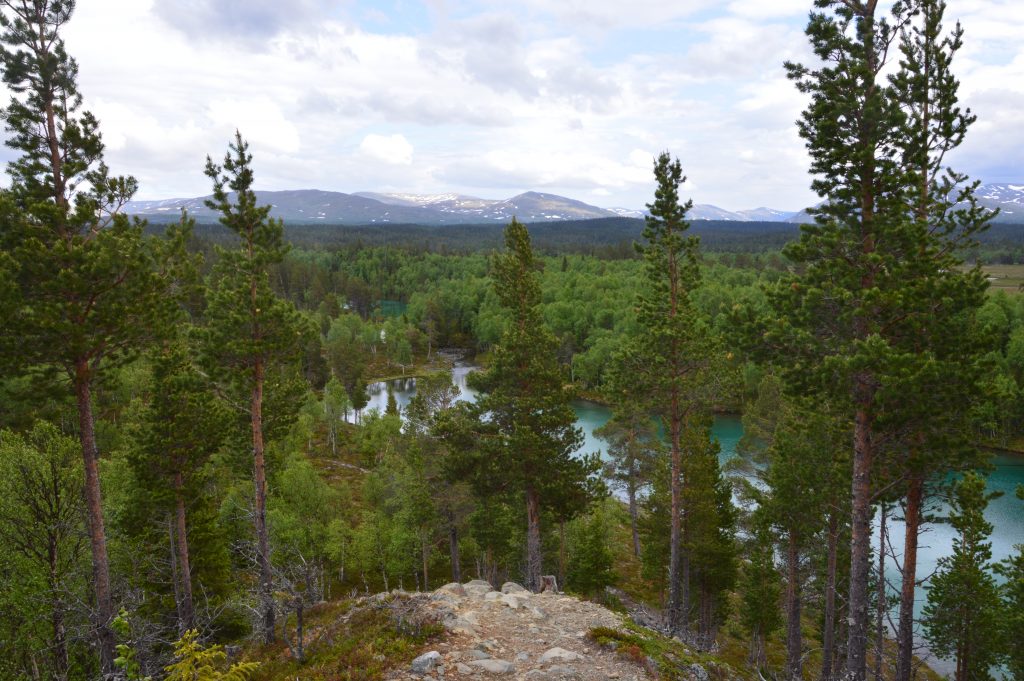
760,593
250,330
633,444
800,487
963,616
1012,570
436,393
670,362
876,271
520,436
92,289
944,202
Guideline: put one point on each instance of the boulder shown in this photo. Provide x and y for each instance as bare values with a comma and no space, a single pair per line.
453,588
698,673
493,666
559,655
426,662
512,588
459,625
514,602
477,588
477,654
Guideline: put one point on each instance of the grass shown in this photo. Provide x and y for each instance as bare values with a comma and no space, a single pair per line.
1008,278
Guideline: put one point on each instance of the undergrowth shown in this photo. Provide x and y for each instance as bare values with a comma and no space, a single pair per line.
358,645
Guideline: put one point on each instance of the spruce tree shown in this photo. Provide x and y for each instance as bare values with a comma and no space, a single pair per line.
250,330
670,361
520,436
92,290
709,528
181,428
963,617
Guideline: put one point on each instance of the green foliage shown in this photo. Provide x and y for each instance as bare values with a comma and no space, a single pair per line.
654,524
1012,591
590,558
964,617
42,549
127,657
760,589
248,325
193,662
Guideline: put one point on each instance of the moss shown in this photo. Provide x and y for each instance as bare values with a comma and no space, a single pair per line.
666,658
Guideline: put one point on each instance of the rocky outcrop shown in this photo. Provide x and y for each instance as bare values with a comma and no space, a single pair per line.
512,633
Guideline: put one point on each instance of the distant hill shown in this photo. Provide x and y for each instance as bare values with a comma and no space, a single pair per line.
314,206
364,208
1007,198
526,207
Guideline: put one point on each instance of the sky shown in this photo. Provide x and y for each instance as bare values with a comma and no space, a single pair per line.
489,98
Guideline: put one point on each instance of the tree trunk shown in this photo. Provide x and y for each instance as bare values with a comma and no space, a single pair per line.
562,560
425,555
676,607
187,612
453,546
880,599
61,663
533,551
175,579
860,543
794,639
299,607
905,636
633,514
829,633
266,587
104,613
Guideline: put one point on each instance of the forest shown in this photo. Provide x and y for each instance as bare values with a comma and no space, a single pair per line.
192,480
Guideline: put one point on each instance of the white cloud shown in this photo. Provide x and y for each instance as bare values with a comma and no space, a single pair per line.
570,97
393,149
260,121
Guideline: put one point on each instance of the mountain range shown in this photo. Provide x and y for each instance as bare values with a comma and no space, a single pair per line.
312,206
